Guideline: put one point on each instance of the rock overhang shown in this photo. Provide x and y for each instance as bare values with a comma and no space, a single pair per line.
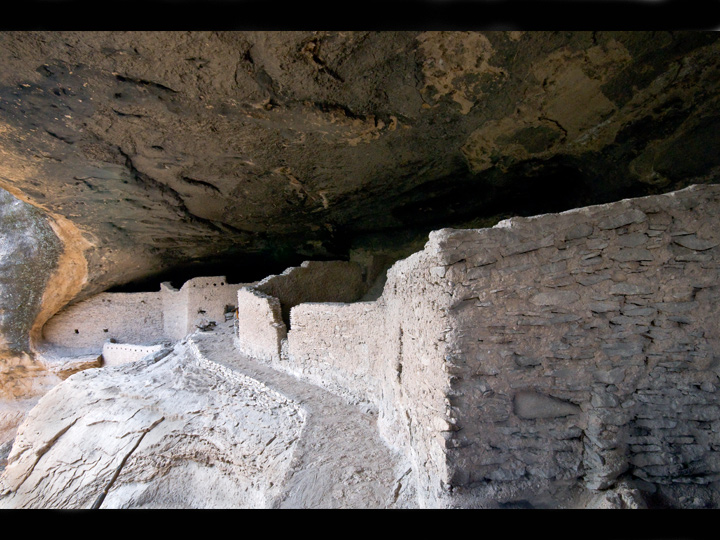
168,148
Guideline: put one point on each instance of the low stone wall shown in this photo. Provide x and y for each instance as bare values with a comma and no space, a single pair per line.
264,308
199,301
314,281
335,345
122,353
389,353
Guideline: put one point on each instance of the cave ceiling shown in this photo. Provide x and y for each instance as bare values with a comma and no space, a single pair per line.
165,149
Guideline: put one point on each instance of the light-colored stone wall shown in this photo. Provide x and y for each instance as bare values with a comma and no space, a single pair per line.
141,318
335,345
122,353
390,354
542,359
586,348
314,281
208,299
260,329
264,308
174,311
125,317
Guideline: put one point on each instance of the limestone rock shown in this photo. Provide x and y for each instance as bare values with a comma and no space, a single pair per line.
179,435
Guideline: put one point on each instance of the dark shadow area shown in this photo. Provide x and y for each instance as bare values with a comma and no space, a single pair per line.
526,189
236,269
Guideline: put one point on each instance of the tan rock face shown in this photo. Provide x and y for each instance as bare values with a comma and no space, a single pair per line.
164,148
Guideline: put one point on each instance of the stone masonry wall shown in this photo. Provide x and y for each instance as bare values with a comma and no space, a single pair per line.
314,281
542,360
264,308
122,353
141,318
388,353
209,299
125,317
174,310
260,328
586,349
335,345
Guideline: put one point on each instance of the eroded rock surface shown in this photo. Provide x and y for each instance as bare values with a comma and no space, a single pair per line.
202,427
29,252
170,148
179,434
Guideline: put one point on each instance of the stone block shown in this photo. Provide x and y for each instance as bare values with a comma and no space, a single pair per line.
632,254
555,298
691,241
581,230
622,219
531,405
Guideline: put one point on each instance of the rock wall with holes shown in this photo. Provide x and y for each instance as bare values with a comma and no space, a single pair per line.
141,318
264,308
199,301
545,359
586,350
124,317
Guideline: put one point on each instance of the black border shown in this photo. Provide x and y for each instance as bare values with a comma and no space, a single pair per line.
363,15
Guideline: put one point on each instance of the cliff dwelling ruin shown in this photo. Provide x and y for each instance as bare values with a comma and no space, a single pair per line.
320,269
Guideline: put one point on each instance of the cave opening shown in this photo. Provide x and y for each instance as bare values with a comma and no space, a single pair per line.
236,268
464,200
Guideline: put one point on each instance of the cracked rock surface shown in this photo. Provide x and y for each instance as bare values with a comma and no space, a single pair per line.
166,148
197,429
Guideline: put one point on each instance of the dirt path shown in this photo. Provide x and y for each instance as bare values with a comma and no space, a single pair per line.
340,461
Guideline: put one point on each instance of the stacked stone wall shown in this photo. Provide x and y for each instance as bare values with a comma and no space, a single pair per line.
264,308
390,354
585,347
260,329
141,318
335,345
314,281
542,360
209,299
174,311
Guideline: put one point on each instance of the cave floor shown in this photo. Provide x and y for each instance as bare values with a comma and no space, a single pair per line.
340,460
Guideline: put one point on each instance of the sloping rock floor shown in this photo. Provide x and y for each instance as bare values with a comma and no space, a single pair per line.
200,426
340,460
